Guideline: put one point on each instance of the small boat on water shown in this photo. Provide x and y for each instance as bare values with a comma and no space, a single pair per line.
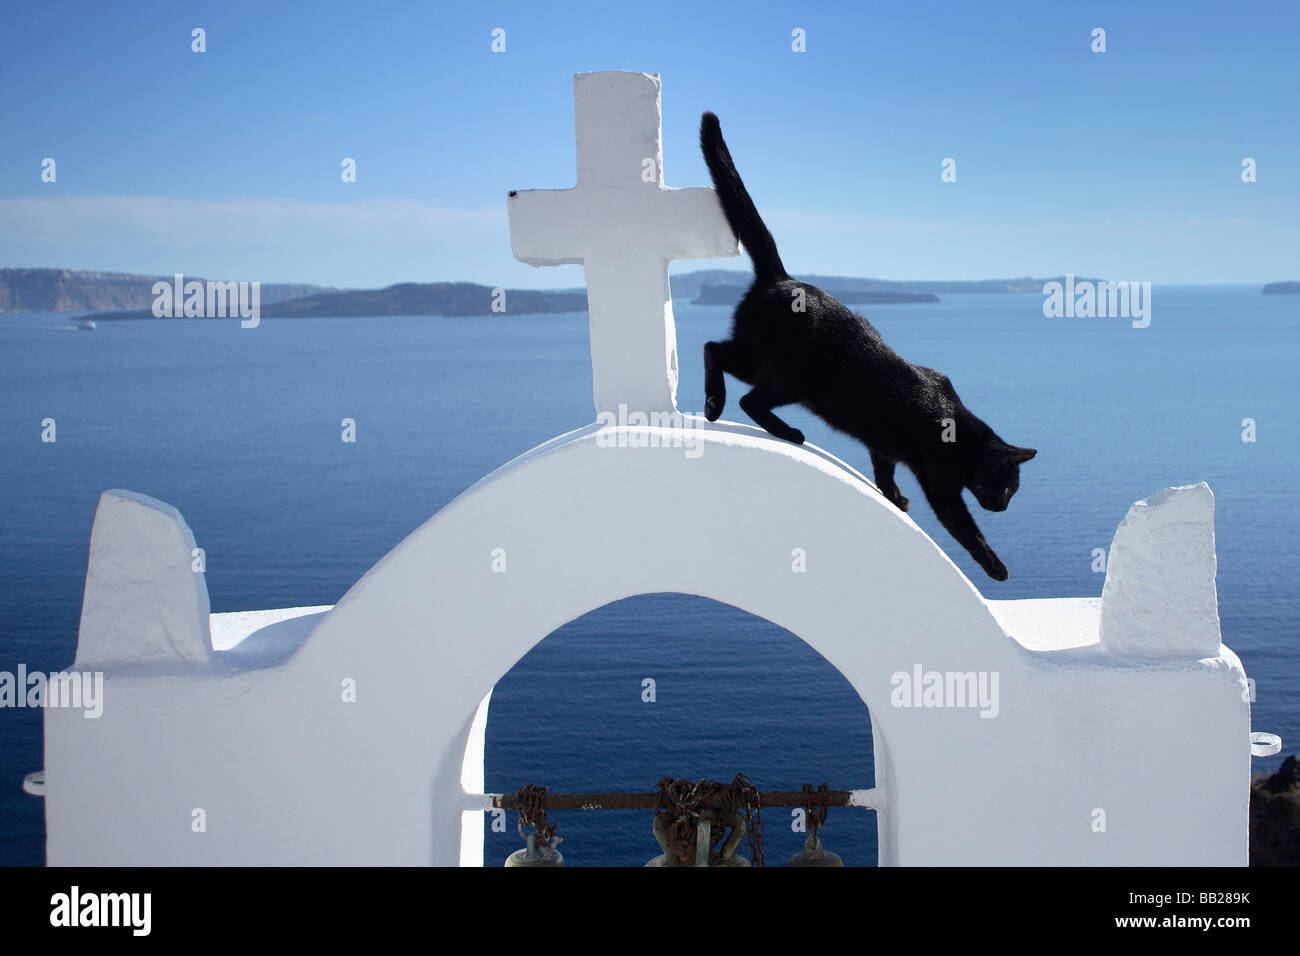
88,324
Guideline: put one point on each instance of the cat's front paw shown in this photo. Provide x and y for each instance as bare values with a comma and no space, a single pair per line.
713,406
995,568
795,436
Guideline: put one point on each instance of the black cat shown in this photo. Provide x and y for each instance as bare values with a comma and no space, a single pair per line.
793,343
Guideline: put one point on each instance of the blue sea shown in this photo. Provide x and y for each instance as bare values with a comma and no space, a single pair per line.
239,429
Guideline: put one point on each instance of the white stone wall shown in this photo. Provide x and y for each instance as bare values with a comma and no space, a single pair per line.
288,773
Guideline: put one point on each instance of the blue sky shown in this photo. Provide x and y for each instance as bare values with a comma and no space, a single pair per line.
1125,164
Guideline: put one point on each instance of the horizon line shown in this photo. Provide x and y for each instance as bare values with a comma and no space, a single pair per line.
340,288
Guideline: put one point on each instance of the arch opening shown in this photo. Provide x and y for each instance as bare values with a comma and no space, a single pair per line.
678,685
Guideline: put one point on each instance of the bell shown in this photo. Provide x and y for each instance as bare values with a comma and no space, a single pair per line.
814,854
704,854
534,855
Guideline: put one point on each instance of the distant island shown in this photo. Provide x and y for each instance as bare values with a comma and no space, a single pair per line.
68,290
426,298
111,295
732,294
114,295
1282,288
688,285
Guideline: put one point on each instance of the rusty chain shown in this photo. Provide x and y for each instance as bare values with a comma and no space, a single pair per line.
676,809
678,805
532,813
742,796
816,803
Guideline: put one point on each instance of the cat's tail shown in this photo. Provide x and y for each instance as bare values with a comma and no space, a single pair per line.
739,209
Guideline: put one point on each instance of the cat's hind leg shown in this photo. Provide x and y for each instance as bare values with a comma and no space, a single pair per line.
758,403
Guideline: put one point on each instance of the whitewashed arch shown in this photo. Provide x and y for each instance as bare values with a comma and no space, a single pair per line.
580,526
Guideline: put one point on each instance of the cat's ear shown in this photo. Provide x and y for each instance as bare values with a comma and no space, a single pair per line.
1012,453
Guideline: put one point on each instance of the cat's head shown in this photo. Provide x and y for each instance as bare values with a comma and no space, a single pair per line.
996,476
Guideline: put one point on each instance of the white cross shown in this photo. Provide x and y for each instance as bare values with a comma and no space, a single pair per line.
624,226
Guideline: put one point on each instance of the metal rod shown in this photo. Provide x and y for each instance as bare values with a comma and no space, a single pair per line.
871,799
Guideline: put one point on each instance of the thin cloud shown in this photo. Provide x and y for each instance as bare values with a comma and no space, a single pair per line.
81,220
